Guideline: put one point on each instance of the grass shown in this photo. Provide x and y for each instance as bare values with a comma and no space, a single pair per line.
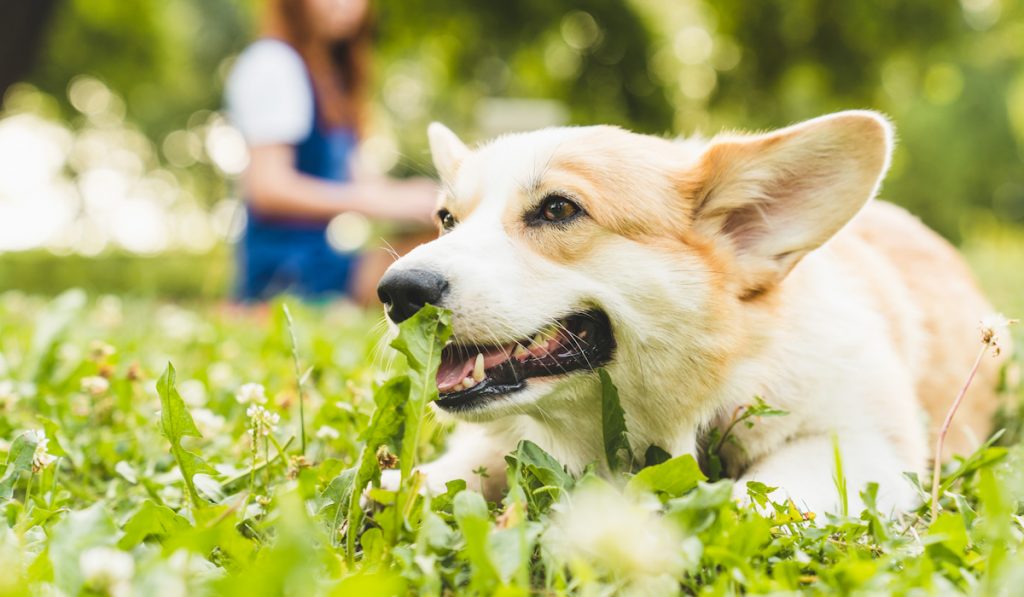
148,478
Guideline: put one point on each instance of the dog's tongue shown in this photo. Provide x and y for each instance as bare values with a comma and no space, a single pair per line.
455,368
452,372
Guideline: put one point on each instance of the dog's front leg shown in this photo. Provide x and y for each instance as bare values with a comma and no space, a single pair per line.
803,469
475,454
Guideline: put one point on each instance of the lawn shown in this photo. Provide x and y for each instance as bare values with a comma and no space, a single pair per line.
97,429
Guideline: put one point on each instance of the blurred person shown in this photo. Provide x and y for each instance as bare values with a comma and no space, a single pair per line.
298,95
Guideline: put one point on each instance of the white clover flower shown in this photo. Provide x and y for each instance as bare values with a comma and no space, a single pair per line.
994,328
40,458
100,351
261,421
208,422
177,323
107,570
327,432
193,392
220,374
251,393
95,385
8,394
604,529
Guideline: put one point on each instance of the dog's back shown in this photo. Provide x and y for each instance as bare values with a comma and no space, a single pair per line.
929,297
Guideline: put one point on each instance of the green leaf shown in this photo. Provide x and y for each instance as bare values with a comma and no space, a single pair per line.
470,511
337,493
420,339
542,477
176,423
19,460
698,509
152,520
655,455
175,420
949,532
672,478
385,427
613,426
50,428
984,456
401,411
760,408
532,459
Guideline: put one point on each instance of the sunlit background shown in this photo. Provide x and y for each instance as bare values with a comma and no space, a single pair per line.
118,168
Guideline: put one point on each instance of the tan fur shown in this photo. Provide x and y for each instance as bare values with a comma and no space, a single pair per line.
946,300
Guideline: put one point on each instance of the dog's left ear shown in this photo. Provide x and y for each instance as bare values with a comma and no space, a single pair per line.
447,149
775,197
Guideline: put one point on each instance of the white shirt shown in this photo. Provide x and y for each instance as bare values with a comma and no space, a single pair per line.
269,96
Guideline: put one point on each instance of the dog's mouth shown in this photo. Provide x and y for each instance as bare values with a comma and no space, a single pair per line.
470,374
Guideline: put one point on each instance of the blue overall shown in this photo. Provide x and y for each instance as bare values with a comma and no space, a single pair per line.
292,255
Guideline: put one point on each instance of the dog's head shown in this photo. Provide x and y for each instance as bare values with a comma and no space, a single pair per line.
568,249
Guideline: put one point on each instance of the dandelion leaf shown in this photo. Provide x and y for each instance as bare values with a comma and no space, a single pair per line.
176,423
673,477
19,460
420,339
613,426
471,515
151,520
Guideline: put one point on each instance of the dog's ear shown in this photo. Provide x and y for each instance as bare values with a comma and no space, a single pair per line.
775,197
447,149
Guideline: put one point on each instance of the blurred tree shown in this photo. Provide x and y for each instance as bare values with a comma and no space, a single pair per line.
22,25
162,56
951,75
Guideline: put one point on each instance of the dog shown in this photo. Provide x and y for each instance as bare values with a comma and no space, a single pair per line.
700,274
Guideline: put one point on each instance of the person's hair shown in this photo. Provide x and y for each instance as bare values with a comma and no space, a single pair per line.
341,88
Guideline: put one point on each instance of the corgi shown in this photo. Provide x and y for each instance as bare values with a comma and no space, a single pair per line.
700,274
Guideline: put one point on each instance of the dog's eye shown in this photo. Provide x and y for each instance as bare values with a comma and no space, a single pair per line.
447,219
556,208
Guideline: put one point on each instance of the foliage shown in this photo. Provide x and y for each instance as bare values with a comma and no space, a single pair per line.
114,512
948,73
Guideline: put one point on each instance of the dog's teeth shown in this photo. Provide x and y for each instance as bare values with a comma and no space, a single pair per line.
478,367
538,343
457,387
520,351
468,383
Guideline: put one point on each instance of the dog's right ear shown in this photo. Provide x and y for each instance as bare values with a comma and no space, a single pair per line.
773,198
447,149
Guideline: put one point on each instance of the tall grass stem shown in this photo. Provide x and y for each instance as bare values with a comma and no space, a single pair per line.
298,378
941,439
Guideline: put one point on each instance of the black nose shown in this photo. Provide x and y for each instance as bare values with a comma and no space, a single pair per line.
406,291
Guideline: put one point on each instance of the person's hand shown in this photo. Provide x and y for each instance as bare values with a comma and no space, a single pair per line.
410,200
419,197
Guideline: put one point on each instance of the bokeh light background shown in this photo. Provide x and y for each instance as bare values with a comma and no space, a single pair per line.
117,168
